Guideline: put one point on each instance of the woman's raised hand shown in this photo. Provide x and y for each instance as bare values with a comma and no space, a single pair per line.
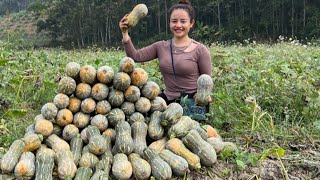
123,24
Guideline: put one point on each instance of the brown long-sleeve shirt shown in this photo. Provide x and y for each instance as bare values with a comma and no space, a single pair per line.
188,65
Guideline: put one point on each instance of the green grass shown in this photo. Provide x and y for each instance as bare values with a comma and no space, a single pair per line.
282,79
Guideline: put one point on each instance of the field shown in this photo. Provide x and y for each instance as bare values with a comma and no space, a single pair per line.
266,99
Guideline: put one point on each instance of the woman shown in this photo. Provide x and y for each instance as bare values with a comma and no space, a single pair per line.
182,59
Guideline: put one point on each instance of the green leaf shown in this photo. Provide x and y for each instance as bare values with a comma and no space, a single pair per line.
97,62
16,113
317,124
3,62
241,164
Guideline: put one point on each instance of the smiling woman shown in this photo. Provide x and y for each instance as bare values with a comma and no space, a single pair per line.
182,59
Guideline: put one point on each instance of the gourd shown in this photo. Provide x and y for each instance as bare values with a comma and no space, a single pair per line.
201,131
105,74
100,121
103,107
128,108
127,65
116,98
67,85
97,144
159,145
44,163
88,74
111,133
88,105
99,91
32,142
99,174
141,168
83,90
81,119
57,130
124,141
11,158
216,143
88,160
74,104
176,146
49,111
76,145
160,169
64,117
211,132
30,129
70,131
171,115
61,101
139,135
200,147
121,81
115,116
158,104
132,94
66,167
150,90
26,166
72,70
155,129
138,12
182,127
139,77
105,163
83,173
43,126
177,163
84,135
143,105
57,144
136,117
204,88
121,168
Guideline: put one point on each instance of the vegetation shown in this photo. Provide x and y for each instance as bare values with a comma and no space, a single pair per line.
265,97
85,23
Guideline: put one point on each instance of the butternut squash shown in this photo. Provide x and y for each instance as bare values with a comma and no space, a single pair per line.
26,166
139,135
159,145
204,88
56,143
141,168
155,129
171,115
66,167
83,173
121,168
138,12
124,142
176,146
177,163
11,158
200,147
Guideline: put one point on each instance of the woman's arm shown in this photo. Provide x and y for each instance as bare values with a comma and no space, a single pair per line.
204,61
145,54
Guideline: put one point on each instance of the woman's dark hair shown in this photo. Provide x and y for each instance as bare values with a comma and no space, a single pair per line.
185,5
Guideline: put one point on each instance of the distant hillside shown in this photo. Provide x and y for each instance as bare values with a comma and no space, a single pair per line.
21,28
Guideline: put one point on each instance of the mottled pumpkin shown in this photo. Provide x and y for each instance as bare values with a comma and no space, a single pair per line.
204,89
72,70
56,143
111,133
115,116
88,74
121,81
70,131
66,167
127,65
155,129
88,105
150,90
32,141
67,85
64,117
136,117
49,111
139,77
74,104
121,168
141,168
132,94
171,115
128,108
100,91
116,98
43,127
83,90
26,166
61,101
105,74
143,105
158,104
11,158
103,107
100,121
81,119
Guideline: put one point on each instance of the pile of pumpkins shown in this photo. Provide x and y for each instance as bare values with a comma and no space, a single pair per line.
102,123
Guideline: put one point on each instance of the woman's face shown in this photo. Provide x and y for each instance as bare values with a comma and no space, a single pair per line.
180,23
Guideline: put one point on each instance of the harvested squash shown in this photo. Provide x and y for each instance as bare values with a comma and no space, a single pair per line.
216,143
143,105
83,90
67,85
88,74
204,89
44,163
88,160
32,142
132,94
182,127
26,166
128,108
115,116
139,77
141,168
76,145
150,90
64,117
88,105
159,145
100,121
211,132
171,115
56,143
70,131
160,169
11,158
155,129
200,147
121,168
81,119
136,117
43,127
127,65
49,111
74,104
105,74
66,167
103,107
83,173
72,70
158,104
97,144
116,98
177,163
139,135
61,101
121,81
99,91
138,12
124,142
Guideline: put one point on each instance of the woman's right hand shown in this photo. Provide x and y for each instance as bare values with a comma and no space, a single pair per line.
123,24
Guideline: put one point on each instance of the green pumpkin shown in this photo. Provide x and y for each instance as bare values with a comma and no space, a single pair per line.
121,81
116,98
139,135
103,107
132,94
88,74
105,74
155,129
83,173
26,166
124,142
177,163
127,65
141,168
99,91
83,90
121,168
72,70
67,85
11,158
150,90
